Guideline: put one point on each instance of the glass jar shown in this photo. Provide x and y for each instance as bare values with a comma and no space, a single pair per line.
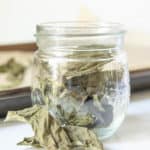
81,73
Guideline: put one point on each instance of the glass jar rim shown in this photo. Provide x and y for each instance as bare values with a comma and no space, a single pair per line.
79,28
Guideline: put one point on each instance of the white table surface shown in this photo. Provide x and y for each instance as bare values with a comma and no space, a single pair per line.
134,134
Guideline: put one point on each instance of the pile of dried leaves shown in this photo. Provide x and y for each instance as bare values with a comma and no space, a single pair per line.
49,134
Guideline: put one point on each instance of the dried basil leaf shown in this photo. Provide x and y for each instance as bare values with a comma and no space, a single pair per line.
74,117
50,135
14,72
30,141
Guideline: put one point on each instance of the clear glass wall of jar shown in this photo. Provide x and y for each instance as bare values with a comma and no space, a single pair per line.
80,71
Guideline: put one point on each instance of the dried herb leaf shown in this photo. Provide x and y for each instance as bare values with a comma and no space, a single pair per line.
74,117
14,73
50,135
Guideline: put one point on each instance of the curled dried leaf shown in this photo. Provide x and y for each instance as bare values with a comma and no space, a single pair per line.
49,134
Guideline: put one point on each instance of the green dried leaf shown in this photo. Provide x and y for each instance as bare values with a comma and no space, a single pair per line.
74,117
50,135
14,72
30,141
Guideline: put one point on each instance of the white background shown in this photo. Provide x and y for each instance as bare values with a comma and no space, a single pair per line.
18,18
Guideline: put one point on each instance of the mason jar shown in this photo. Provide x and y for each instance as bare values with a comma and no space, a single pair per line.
80,72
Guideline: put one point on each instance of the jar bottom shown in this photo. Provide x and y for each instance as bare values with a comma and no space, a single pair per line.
105,133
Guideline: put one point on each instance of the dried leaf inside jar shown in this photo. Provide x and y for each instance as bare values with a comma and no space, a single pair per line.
80,87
